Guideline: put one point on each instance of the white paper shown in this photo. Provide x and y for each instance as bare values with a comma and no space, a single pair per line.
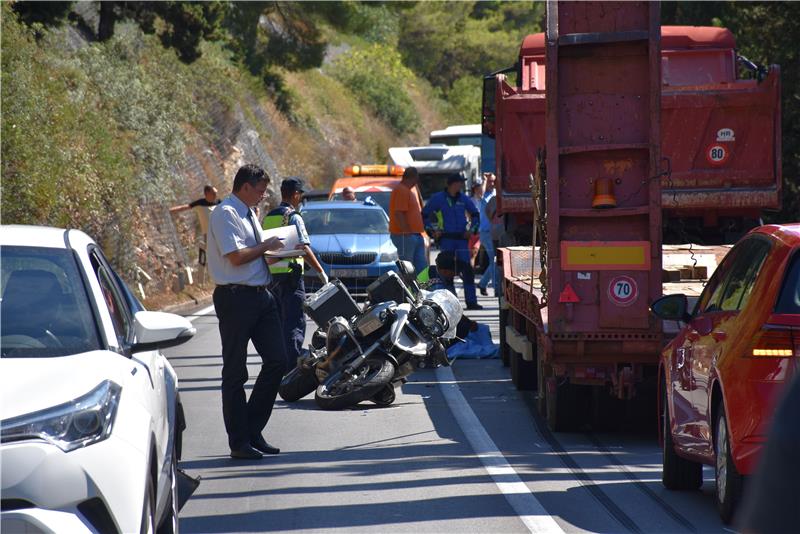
290,241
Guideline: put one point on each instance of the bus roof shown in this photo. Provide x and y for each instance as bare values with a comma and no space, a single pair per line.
462,129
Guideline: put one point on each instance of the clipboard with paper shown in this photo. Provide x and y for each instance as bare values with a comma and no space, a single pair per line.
288,234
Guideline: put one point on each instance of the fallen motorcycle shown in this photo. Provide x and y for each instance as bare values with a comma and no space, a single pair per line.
367,354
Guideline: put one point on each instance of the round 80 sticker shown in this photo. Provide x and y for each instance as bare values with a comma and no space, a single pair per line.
623,290
717,154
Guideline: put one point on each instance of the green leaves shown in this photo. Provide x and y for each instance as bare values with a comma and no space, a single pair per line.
453,44
377,77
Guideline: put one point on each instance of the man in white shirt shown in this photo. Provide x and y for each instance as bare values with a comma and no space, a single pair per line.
246,311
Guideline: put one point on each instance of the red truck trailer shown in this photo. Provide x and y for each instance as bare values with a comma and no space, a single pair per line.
720,135
641,134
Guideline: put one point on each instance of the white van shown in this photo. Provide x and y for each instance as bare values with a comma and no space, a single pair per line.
436,162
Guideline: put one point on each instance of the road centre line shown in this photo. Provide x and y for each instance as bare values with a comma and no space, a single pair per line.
519,496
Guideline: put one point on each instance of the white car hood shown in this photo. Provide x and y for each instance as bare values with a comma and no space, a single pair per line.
31,384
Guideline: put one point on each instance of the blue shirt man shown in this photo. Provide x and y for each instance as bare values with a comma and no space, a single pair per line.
247,311
450,217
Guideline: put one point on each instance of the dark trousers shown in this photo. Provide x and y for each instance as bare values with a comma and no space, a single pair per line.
463,267
290,291
246,314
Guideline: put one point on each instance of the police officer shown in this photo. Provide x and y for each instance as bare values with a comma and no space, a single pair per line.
287,274
445,215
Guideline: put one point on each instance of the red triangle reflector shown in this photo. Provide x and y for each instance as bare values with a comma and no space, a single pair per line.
568,295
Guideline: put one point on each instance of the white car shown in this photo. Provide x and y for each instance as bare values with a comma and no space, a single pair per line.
91,417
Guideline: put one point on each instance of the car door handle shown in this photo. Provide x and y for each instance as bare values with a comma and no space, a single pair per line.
719,336
693,336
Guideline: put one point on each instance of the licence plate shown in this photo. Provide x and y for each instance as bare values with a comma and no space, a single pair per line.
348,273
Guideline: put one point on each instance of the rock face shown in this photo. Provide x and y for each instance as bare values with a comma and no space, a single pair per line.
167,244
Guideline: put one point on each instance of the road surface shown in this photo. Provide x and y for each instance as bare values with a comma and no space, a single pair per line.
461,450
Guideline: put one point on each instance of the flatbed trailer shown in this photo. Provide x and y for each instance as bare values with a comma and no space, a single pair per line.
613,364
585,333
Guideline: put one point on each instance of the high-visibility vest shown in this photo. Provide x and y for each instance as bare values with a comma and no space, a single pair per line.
275,219
425,275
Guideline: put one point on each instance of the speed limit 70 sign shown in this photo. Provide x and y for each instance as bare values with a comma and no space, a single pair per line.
717,154
623,291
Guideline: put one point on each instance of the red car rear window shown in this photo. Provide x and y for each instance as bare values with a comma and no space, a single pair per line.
789,300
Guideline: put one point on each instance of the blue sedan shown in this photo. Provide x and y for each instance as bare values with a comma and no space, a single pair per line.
351,241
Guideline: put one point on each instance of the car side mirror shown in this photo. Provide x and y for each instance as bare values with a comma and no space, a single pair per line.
671,308
158,330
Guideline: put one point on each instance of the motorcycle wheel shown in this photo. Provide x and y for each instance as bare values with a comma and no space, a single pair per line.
341,391
384,397
297,384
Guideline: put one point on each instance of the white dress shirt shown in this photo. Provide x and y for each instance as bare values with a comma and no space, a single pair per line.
233,226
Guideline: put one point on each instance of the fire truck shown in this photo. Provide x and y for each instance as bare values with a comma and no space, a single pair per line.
617,136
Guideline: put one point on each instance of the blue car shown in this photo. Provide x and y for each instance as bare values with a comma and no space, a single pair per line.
351,241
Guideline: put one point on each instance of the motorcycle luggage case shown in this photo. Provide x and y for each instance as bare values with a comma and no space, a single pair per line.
332,300
388,287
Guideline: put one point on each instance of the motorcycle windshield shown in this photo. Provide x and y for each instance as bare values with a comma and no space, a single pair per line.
450,306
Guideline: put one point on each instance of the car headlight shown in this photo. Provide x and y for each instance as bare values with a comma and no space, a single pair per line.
72,425
388,256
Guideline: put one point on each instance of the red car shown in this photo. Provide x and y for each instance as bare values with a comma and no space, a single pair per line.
721,375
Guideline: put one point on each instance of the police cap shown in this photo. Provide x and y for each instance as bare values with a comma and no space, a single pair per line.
293,184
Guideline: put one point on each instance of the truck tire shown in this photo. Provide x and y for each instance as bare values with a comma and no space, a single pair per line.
560,406
523,374
504,350
676,473
542,370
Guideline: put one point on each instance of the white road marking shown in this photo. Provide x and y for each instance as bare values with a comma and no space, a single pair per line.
519,496
199,313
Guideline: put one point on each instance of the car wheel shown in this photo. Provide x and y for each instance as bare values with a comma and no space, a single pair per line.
729,481
169,523
676,473
148,508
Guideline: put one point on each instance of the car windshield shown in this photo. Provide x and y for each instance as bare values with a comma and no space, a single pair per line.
456,140
346,221
45,308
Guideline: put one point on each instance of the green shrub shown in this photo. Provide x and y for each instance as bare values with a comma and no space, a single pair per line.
64,161
464,101
89,135
377,77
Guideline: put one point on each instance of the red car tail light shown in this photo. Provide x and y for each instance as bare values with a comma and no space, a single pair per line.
776,341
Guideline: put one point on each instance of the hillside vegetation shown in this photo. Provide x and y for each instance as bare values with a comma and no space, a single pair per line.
113,111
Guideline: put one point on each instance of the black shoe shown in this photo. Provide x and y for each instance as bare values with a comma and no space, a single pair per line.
475,306
483,291
260,444
246,452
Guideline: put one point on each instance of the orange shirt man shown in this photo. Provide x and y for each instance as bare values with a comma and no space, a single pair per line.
405,221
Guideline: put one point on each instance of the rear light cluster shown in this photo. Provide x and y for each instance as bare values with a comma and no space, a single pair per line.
777,341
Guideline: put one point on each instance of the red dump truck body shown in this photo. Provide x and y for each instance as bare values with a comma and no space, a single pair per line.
720,134
579,163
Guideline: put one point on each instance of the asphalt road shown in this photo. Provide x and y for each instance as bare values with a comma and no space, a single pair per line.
457,452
